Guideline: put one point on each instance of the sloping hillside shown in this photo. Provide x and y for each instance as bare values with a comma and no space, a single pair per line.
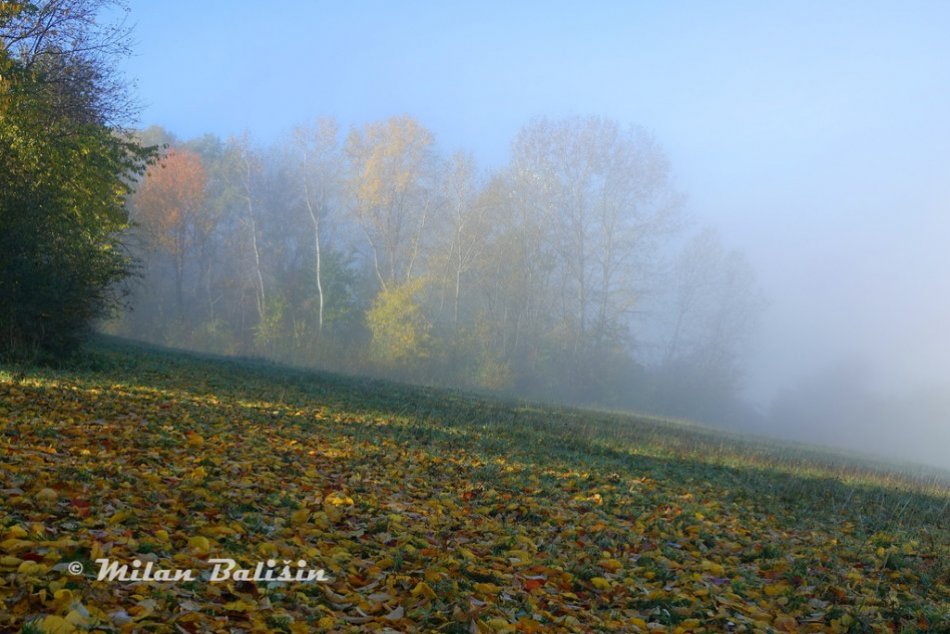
433,511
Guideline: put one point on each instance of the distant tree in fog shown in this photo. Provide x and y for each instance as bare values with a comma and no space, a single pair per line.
545,277
606,193
589,201
716,302
169,205
467,226
392,181
700,322
247,172
320,172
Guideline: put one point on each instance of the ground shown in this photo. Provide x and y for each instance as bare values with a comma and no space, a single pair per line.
433,510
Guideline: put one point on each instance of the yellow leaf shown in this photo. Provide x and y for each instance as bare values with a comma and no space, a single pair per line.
63,596
713,568
600,583
15,532
775,589
338,499
199,544
422,588
195,439
639,623
119,517
521,555
500,625
786,623
46,495
29,568
54,625
613,565
300,517
77,618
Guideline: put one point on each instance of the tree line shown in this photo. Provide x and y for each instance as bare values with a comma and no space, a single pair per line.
569,273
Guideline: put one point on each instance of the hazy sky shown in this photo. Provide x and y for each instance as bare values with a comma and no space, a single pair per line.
815,135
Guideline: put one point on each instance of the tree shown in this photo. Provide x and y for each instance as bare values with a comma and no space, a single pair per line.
604,193
66,52
66,164
576,218
247,169
391,182
320,162
715,302
514,274
469,226
170,206
400,328
704,320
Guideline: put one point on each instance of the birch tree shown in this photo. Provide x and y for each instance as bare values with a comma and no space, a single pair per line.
320,159
247,169
467,222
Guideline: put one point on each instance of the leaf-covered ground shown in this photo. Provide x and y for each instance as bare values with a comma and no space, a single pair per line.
433,511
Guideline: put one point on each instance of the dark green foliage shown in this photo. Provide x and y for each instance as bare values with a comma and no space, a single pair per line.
64,175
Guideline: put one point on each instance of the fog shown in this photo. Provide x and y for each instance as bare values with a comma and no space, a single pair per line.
776,176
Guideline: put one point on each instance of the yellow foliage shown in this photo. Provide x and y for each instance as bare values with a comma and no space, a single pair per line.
400,329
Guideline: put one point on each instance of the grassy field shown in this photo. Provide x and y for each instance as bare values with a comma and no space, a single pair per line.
435,511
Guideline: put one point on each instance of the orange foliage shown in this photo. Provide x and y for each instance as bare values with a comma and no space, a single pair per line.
169,201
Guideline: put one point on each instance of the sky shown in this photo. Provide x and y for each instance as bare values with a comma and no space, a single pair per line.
814,135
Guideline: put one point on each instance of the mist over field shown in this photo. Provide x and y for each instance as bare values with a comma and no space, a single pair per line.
734,213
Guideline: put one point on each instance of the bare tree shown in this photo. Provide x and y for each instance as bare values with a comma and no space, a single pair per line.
714,303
